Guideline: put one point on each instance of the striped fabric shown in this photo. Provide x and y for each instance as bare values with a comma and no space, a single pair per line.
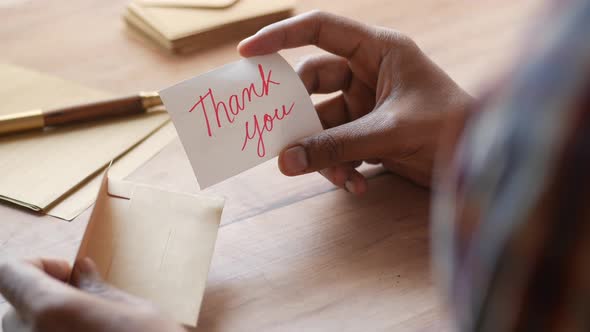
512,211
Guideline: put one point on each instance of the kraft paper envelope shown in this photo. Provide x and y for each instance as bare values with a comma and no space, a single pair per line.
84,194
53,171
215,4
186,28
154,244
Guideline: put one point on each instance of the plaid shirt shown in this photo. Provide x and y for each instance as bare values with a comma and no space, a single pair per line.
512,211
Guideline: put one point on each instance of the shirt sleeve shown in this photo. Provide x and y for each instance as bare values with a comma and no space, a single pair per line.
511,210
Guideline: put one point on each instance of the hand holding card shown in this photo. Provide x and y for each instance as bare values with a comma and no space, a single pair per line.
240,115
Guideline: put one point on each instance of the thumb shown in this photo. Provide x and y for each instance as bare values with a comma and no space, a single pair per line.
357,140
85,273
86,277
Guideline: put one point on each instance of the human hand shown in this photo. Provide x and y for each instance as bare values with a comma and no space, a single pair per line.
43,300
392,104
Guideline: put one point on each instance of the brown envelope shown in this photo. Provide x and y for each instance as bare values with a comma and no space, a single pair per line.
185,28
188,3
154,244
53,171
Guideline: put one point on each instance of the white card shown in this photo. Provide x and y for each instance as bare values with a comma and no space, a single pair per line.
239,115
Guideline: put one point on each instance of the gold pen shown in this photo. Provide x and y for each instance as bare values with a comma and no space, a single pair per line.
39,119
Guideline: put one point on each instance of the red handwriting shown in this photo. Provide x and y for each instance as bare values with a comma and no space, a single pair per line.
237,103
234,105
267,125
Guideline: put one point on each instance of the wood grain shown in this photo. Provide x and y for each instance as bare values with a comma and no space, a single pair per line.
292,253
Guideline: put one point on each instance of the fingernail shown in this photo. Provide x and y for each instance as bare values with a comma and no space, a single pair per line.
349,185
243,41
295,160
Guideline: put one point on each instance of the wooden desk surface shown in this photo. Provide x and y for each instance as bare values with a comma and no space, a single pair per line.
292,253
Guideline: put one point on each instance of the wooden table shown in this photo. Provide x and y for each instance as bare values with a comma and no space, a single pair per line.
292,253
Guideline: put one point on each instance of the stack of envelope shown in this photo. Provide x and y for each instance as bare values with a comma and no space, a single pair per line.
181,26
55,171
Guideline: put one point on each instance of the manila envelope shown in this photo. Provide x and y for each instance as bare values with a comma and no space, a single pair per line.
183,26
212,4
154,244
57,171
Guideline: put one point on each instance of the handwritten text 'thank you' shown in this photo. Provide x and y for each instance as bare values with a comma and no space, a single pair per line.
236,103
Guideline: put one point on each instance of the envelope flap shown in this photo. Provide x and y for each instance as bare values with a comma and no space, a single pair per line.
120,188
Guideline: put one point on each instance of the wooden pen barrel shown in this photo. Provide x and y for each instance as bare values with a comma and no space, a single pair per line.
96,110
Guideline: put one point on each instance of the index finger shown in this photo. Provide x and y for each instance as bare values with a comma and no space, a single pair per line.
335,34
56,268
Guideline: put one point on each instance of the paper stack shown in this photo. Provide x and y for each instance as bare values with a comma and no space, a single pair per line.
56,171
182,26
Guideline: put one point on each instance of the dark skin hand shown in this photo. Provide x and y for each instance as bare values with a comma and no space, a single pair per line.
392,104
38,291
